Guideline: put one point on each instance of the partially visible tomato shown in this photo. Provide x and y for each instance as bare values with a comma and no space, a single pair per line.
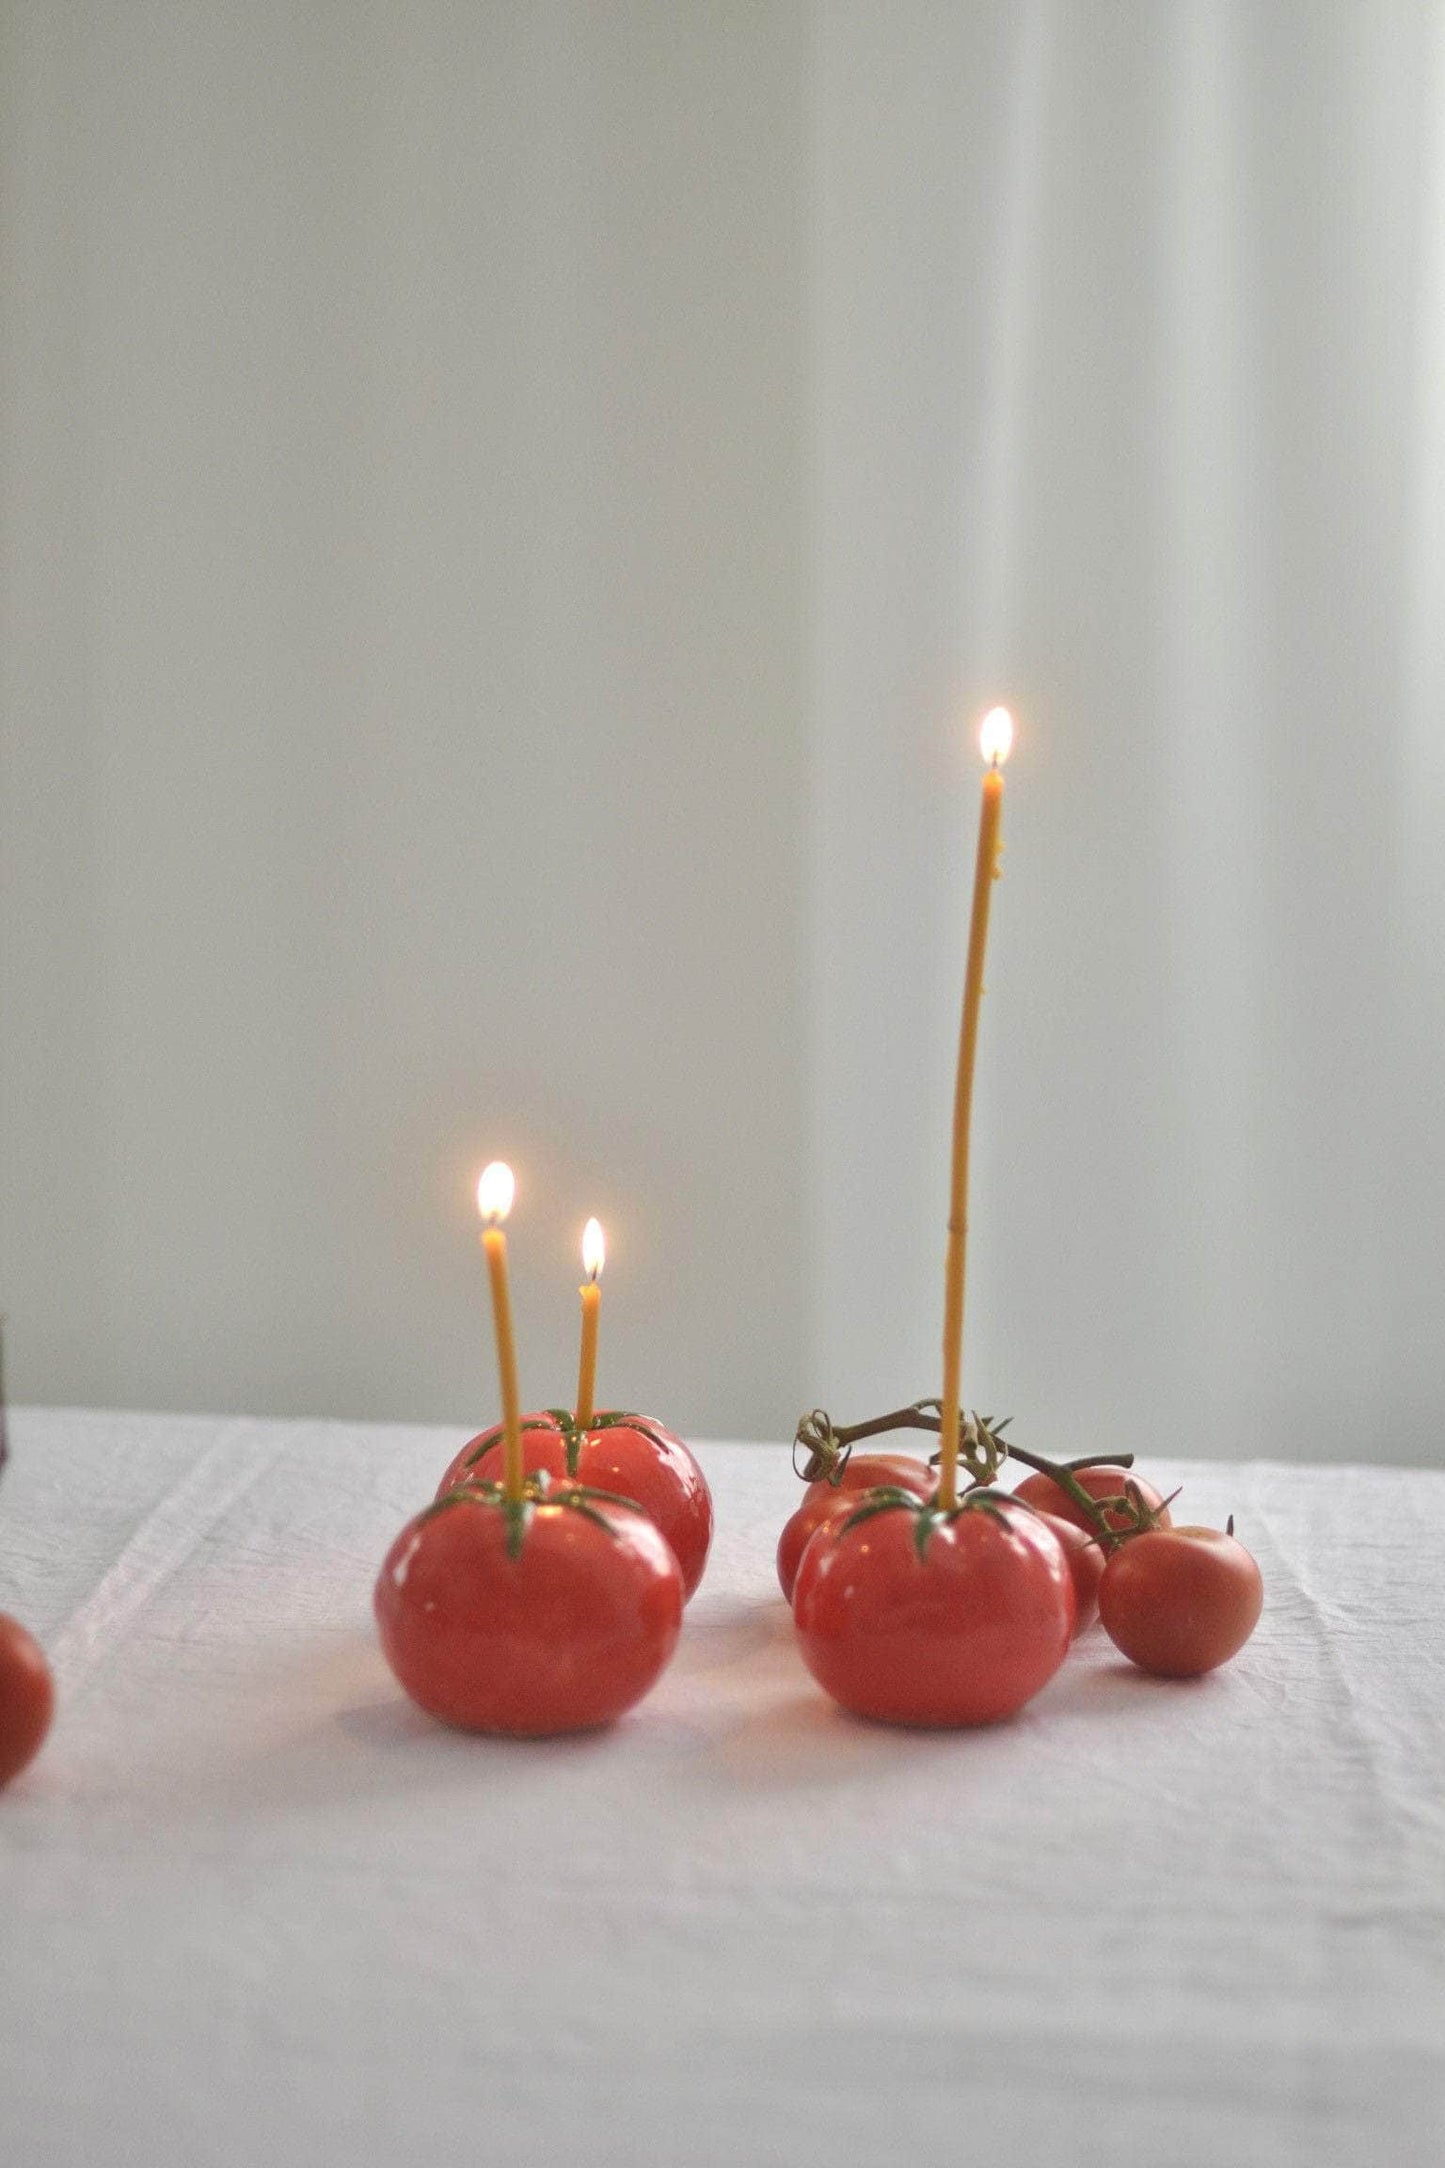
1181,1601
558,1625
862,1471
1086,1564
1042,1491
963,1631
631,1456
27,1697
544,1451
799,1529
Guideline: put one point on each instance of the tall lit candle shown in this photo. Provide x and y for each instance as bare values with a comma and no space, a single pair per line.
594,1251
995,738
495,1192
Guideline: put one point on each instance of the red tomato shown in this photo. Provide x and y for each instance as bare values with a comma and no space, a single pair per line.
27,1697
637,1459
862,1471
1180,1601
1086,1564
559,1633
962,1634
1042,1491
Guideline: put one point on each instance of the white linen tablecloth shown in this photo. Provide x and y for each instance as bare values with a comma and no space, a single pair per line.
255,1908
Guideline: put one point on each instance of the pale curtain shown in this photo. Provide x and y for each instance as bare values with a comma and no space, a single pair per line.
1131,411
508,516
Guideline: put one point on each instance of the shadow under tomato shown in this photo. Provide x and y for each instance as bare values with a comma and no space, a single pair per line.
309,1724
1114,1684
804,1739
398,1725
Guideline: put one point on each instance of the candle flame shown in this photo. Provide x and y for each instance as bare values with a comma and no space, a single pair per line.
996,735
594,1249
495,1192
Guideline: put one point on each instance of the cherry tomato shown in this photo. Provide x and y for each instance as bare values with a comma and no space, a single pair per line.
963,1632
860,1472
1041,1490
1086,1564
634,1458
1180,1601
557,1623
27,1697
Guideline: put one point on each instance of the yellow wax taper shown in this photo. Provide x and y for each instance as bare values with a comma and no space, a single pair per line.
995,738
495,1192
593,1255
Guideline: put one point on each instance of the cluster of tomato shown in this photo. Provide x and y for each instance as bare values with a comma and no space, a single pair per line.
919,1614
556,1611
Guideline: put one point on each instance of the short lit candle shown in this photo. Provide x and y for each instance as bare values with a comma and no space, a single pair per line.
995,738
594,1252
495,1192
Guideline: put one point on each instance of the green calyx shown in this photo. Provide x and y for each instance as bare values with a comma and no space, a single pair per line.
537,1490
928,1514
492,1437
572,1436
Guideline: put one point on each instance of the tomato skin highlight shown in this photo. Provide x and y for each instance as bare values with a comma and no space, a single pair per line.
1180,1601
861,1471
563,1636
27,1697
657,1472
1042,1491
964,1634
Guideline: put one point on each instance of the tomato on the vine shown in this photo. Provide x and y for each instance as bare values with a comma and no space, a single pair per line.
1180,1601
553,1615
1042,1491
627,1454
820,1501
27,1697
918,1617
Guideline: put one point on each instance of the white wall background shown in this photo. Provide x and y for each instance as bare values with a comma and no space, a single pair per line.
508,512
405,624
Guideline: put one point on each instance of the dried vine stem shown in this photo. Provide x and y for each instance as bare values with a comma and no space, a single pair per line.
828,1446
